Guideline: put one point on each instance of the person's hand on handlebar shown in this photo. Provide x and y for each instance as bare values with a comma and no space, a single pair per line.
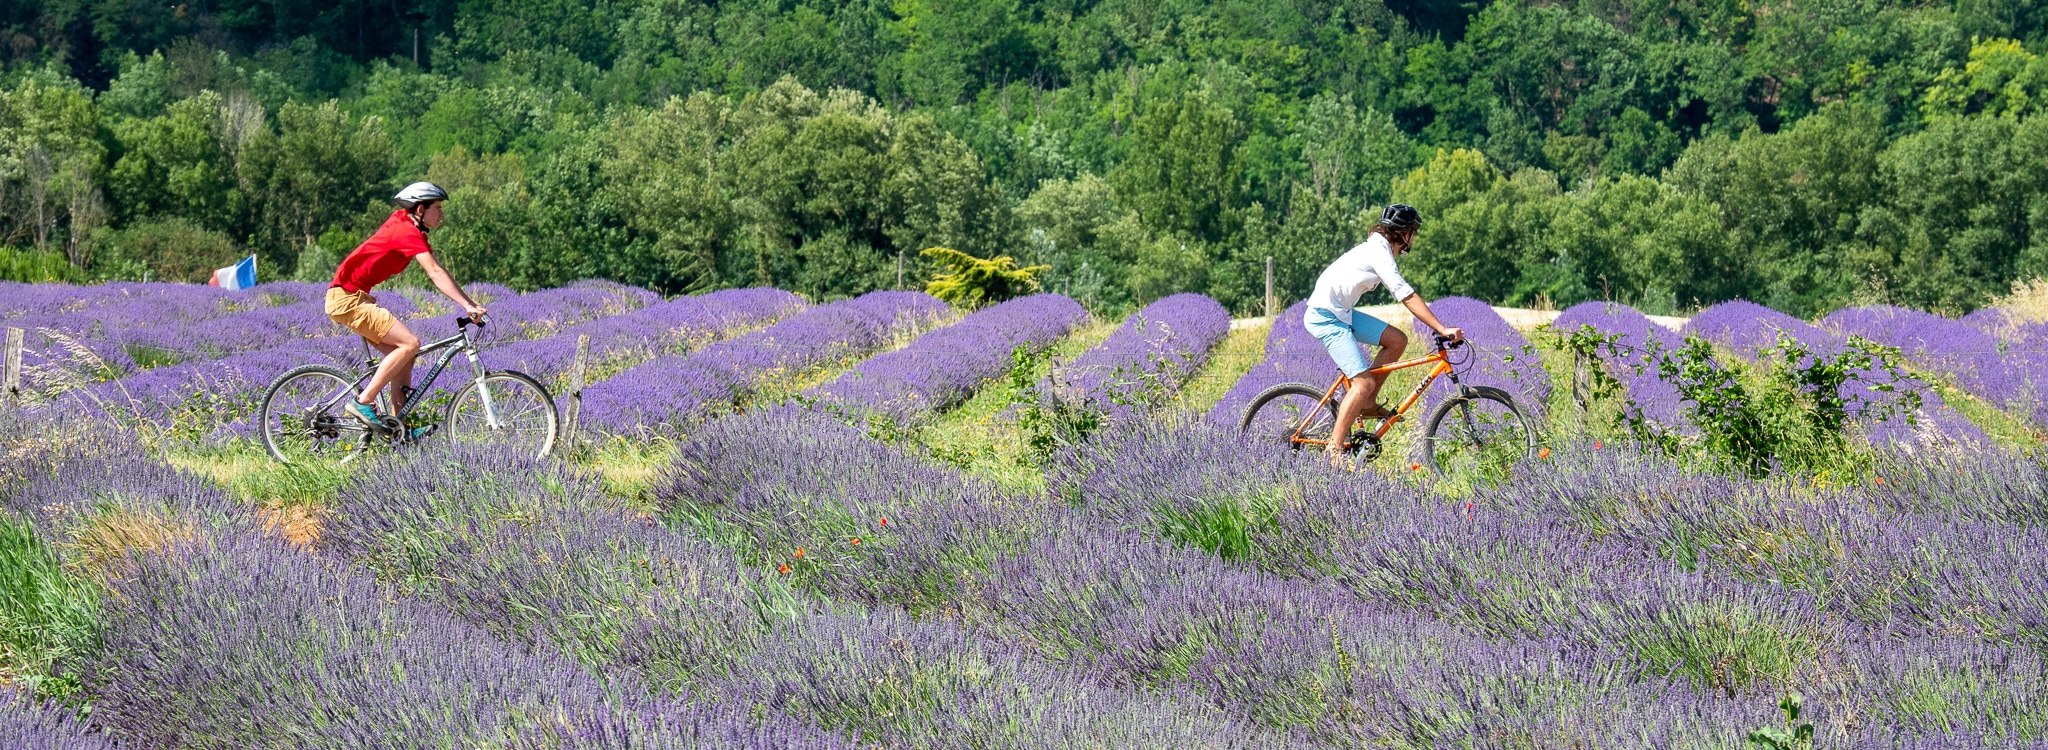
476,314
1452,334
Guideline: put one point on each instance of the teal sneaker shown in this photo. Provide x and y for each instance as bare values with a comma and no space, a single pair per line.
422,432
365,414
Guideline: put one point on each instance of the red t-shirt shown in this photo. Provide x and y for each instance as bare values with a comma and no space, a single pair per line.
383,255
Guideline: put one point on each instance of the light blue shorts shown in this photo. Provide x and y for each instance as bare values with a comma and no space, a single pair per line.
1346,343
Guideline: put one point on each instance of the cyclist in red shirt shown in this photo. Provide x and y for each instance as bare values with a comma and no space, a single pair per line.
402,240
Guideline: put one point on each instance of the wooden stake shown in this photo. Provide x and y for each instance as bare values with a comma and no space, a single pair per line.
1269,286
899,269
577,373
10,370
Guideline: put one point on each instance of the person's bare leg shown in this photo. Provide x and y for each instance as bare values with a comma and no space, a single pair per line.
1364,388
1393,344
1347,413
398,358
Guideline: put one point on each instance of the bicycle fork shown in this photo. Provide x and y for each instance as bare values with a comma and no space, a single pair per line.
483,392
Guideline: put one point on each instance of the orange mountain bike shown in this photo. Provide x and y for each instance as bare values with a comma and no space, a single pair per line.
1476,426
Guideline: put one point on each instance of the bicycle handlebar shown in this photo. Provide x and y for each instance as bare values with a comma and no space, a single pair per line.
464,320
1442,340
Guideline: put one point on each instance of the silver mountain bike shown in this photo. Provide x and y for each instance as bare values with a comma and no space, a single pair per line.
303,421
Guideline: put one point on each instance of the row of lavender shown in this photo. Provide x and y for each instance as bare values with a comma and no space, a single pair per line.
128,329
663,394
1993,358
1751,330
206,397
945,366
1908,612
1145,359
214,633
1098,593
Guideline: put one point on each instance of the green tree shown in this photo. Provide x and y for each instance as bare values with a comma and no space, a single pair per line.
971,282
1183,172
316,169
182,163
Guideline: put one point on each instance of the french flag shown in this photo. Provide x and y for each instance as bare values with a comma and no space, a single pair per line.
238,276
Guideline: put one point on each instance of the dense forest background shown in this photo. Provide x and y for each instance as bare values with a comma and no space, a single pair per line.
1802,153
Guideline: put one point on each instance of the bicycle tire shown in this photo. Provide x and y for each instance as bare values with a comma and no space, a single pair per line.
1273,396
541,407
1510,419
336,426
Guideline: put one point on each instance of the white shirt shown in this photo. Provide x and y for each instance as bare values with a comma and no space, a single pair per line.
1356,272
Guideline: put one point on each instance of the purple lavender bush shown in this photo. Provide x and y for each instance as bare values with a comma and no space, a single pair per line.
27,725
2013,380
1752,329
1945,692
1495,354
1988,485
679,324
845,514
241,641
534,553
1292,356
1629,359
1304,655
666,393
218,397
944,366
1155,350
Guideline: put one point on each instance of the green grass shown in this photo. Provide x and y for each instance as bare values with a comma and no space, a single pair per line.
981,436
2003,427
629,469
33,267
1235,355
49,616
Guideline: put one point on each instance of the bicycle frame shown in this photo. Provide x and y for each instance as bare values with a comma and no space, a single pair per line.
456,344
1442,366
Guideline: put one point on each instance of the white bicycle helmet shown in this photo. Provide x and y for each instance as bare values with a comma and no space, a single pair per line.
418,193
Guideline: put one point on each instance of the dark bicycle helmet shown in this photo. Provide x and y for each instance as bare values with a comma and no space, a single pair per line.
1400,217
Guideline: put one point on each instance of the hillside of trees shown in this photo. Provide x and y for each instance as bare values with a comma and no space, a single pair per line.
1805,154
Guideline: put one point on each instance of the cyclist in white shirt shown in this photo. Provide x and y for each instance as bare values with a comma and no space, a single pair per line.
1345,332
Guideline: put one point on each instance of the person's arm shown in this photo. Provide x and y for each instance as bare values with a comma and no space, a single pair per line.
1420,310
446,284
1382,261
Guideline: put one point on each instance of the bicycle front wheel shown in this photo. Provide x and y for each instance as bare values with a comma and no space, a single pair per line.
303,421
1276,413
1481,431
505,408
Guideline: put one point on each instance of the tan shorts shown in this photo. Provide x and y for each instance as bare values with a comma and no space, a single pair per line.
358,311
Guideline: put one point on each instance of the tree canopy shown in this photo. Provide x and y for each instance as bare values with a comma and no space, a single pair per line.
1805,154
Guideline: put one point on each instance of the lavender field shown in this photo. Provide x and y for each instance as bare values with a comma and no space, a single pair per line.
757,543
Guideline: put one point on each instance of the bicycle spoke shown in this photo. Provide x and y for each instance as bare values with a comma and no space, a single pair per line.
525,417
1480,437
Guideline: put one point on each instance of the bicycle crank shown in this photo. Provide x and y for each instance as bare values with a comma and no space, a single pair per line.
1365,445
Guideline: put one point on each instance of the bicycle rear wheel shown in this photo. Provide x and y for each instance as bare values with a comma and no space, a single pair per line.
1275,412
303,422
1481,432
510,409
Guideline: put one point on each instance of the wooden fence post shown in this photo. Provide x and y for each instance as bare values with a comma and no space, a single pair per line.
899,269
10,370
577,373
1582,382
1269,287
